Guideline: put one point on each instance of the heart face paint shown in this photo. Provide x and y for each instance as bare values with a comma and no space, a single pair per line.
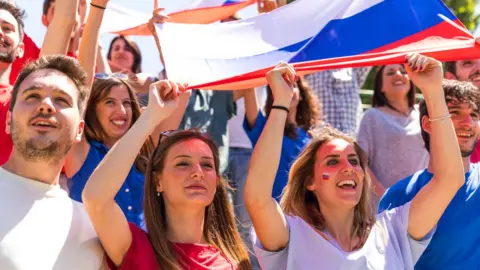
325,176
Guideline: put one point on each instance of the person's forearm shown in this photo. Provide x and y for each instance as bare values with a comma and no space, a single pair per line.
89,45
101,64
443,141
265,160
57,38
251,107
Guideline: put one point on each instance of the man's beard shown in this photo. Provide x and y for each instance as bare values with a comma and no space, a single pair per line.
42,149
467,153
9,56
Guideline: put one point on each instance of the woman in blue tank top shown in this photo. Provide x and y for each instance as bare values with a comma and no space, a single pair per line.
111,110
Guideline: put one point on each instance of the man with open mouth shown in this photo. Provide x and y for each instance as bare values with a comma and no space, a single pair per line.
454,244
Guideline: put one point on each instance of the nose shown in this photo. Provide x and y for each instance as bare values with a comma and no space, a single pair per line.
123,109
197,172
347,168
46,106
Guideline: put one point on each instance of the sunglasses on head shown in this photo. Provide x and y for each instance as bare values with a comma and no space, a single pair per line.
105,76
164,135
160,137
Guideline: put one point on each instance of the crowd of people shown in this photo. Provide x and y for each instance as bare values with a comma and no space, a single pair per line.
104,166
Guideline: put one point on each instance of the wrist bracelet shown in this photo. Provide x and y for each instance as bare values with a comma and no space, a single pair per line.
439,118
97,6
283,108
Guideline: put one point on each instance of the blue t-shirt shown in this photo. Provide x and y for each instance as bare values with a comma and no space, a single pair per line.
455,242
290,150
130,196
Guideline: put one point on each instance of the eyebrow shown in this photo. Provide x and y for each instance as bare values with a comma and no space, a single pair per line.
112,98
459,107
187,156
337,156
39,87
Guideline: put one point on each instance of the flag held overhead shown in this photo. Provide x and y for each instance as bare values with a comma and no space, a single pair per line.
313,35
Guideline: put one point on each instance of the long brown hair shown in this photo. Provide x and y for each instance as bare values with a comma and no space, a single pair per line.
94,130
308,109
379,99
297,200
220,228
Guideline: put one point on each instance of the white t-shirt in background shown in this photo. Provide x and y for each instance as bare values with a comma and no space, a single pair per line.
42,228
388,247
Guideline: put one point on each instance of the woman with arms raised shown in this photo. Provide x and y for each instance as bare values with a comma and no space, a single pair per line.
189,221
325,218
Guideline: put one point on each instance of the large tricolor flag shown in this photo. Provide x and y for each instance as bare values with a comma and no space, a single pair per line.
120,20
313,35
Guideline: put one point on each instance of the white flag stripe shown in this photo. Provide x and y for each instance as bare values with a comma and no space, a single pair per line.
257,35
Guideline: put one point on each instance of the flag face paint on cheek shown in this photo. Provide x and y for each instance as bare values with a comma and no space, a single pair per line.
325,176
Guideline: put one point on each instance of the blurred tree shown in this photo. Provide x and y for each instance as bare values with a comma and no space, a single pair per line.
465,11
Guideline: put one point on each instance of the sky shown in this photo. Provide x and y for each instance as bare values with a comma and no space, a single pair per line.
151,61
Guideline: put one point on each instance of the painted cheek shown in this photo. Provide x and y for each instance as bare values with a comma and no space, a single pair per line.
325,176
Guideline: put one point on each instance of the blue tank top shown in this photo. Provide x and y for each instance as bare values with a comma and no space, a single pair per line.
130,196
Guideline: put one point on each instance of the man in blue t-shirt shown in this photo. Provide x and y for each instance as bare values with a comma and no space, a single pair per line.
455,242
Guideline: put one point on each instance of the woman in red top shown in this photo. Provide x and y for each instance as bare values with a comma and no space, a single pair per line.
188,217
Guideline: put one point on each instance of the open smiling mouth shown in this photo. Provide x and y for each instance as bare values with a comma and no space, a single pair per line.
464,134
347,184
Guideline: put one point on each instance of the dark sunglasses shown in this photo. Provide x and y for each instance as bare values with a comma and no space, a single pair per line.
105,76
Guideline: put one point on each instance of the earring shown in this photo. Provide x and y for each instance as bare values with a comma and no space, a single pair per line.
158,194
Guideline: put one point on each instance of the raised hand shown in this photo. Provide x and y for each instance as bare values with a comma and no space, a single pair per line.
282,82
425,72
157,18
162,99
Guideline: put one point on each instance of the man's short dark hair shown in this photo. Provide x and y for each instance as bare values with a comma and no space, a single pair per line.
455,92
451,67
46,6
17,13
67,65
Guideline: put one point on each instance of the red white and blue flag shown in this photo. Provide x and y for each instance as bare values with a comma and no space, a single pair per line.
313,35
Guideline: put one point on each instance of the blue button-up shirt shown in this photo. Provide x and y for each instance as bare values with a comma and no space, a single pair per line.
129,197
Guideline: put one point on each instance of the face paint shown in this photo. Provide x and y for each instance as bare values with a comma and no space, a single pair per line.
325,176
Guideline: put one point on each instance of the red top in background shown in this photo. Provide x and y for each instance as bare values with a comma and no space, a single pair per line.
32,52
140,255
6,144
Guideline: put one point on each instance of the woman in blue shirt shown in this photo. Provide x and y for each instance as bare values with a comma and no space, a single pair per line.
112,109
304,114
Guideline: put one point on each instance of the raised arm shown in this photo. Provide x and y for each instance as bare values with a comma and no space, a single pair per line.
99,193
267,217
101,64
448,175
60,29
251,107
91,35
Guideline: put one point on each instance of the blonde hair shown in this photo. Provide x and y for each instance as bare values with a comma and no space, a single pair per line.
297,200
